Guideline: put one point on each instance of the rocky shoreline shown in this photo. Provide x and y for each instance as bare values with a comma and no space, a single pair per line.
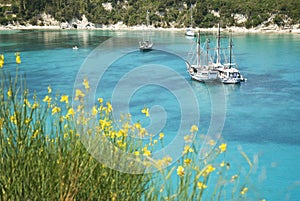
48,22
66,26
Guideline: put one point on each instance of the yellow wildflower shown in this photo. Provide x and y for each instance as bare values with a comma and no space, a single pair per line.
49,89
234,177
55,110
78,94
94,111
143,132
35,105
121,144
187,149
100,100
194,128
13,119
211,142
180,171
126,126
209,169
35,133
188,138
27,121
26,103
145,111
160,163
201,185
9,93
65,126
64,98
121,133
161,136
146,152
61,118
136,153
8,141
244,191
112,134
70,112
1,123
104,123
47,99
167,159
109,107
86,84
223,147
187,161
137,125
222,164
80,107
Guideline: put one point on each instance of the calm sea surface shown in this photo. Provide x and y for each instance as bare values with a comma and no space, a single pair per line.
261,115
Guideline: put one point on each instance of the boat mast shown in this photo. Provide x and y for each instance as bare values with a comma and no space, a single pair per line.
198,49
147,18
230,51
218,45
191,16
207,50
143,28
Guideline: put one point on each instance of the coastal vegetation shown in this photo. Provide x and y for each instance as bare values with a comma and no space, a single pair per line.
169,13
43,156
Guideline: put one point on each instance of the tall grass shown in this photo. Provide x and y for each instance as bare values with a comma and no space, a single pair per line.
42,156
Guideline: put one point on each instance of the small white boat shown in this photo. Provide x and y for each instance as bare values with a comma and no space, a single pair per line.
230,75
146,44
75,48
189,32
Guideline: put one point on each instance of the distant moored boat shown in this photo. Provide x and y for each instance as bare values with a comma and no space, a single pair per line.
146,43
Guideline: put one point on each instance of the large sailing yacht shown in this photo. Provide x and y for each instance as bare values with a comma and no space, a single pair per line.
201,69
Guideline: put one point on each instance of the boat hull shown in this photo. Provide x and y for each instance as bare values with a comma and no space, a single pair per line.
202,74
199,79
190,34
230,81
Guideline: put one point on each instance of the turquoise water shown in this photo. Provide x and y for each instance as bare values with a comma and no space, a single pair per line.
262,115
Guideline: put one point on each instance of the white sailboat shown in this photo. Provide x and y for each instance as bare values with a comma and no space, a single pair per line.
200,69
146,43
189,31
228,71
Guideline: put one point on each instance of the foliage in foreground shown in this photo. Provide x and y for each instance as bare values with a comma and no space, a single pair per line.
43,158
